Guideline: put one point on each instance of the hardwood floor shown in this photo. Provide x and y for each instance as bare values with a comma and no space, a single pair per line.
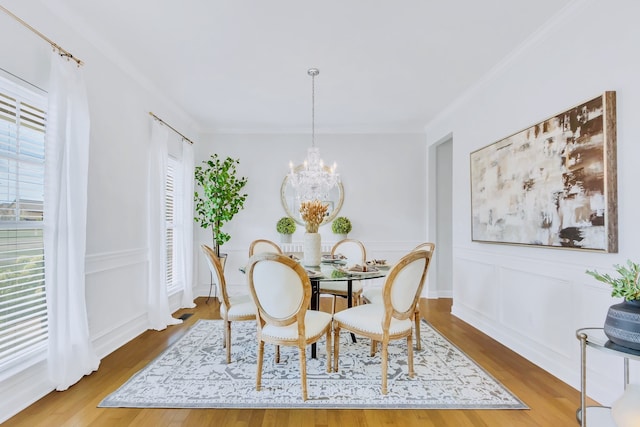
552,403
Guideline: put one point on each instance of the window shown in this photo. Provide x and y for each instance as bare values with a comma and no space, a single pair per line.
23,310
170,221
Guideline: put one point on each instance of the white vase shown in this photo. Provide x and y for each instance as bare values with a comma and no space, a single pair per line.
312,249
626,411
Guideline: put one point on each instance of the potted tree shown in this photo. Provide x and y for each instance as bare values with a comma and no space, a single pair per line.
341,226
221,196
622,324
286,226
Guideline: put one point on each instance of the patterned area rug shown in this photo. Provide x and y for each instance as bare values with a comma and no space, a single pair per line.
192,373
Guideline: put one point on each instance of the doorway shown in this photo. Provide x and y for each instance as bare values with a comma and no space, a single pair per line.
440,214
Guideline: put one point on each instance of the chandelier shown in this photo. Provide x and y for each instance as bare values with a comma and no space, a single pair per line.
313,180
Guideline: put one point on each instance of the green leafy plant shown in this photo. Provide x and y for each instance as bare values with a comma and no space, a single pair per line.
341,225
221,197
625,286
286,225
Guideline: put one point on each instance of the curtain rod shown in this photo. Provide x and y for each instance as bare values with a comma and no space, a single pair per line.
62,51
170,127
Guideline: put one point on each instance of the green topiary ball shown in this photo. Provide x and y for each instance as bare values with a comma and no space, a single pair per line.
286,225
341,225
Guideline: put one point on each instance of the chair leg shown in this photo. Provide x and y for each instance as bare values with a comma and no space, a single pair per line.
303,370
410,355
333,305
383,362
259,373
374,347
336,347
277,354
328,349
227,339
417,321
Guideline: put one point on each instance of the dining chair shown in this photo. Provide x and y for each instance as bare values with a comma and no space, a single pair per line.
281,290
263,245
232,308
374,296
391,320
355,253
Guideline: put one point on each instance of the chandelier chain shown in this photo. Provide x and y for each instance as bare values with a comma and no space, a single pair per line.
313,109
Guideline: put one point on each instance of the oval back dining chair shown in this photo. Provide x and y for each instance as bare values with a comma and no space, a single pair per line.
232,309
281,290
391,320
374,295
355,253
263,245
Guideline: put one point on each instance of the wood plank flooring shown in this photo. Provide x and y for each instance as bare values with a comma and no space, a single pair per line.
552,403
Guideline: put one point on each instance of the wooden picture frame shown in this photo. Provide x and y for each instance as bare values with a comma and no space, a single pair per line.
553,184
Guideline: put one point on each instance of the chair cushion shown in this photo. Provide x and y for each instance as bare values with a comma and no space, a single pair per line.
368,319
242,306
314,322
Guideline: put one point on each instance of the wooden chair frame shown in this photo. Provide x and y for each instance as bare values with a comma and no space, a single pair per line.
390,312
265,318
355,295
225,302
263,242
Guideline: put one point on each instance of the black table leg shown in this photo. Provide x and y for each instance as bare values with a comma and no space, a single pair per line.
350,303
315,305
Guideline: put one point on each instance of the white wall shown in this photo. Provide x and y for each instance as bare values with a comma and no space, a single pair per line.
384,179
116,262
534,299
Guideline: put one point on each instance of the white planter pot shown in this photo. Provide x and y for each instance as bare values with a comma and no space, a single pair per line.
312,249
285,238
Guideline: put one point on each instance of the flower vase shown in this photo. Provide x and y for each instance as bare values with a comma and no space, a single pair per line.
622,325
312,249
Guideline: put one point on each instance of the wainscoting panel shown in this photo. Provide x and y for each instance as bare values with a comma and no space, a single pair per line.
116,284
105,261
536,306
476,287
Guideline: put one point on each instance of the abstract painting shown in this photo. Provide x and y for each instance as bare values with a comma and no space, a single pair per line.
552,184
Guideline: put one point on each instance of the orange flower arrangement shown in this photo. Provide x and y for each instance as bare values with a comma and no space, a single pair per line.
313,213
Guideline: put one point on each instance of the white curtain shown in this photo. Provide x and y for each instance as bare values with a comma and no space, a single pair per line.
158,312
184,208
71,354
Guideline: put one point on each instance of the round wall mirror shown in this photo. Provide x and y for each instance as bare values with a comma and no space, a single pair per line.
292,208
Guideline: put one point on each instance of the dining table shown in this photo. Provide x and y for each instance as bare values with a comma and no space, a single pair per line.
335,269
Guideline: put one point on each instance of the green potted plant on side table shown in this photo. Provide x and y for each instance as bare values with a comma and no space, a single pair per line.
341,226
221,196
622,325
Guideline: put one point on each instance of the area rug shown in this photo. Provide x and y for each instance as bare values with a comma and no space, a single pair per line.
193,373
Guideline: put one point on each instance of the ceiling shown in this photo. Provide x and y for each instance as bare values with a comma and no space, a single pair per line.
241,65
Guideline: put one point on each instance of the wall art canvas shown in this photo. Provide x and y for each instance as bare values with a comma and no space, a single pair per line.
552,184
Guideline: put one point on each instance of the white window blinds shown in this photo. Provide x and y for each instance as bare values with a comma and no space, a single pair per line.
170,197
23,311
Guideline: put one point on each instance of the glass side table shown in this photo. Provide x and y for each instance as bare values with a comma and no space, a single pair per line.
596,339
